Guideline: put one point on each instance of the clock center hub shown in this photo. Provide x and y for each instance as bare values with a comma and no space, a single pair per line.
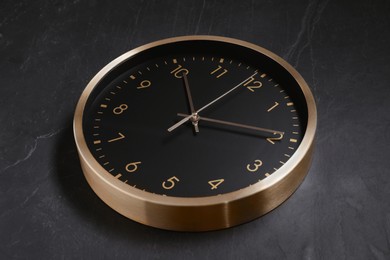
195,119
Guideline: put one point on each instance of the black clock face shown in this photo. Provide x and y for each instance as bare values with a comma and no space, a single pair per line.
244,137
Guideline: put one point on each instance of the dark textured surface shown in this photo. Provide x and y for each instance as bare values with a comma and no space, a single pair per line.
49,50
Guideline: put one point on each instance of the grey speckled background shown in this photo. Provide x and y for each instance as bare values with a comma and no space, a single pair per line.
49,50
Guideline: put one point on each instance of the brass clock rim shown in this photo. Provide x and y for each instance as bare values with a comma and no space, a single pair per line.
99,178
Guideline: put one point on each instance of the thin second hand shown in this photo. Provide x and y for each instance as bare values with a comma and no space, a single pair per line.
179,123
207,105
223,95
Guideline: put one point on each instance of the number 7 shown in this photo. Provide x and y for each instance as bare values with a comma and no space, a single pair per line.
121,136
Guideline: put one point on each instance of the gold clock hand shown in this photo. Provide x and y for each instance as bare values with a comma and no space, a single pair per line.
225,94
209,104
194,114
222,122
179,123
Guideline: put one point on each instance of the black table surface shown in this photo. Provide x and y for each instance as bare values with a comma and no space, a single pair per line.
49,50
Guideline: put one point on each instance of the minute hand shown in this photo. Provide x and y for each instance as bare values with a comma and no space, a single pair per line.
222,122
209,104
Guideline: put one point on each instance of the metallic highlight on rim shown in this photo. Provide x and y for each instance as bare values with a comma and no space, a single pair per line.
202,213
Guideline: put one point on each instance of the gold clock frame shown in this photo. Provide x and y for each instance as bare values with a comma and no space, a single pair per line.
203,213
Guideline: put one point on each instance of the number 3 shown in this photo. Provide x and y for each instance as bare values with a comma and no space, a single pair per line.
256,165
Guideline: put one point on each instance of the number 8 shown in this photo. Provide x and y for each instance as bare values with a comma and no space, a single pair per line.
119,110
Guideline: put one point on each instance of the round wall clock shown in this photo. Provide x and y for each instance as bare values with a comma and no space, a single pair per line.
195,133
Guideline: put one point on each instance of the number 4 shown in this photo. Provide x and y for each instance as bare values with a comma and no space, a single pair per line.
215,183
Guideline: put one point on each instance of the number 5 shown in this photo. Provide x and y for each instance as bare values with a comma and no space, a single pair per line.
170,183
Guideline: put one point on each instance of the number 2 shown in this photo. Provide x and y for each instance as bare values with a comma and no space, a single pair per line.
272,139
256,84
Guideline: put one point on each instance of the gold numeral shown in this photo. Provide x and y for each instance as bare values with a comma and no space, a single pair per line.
170,183
255,166
277,138
215,183
254,84
179,71
221,73
121,136
275,105
144,84
119,109
132,167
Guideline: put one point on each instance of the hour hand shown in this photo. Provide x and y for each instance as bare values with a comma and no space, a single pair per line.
194,115
222,122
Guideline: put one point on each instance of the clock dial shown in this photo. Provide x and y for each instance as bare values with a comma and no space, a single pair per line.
192,118
126,125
